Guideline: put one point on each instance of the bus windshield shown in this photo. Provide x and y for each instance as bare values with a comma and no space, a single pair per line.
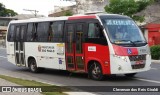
123,31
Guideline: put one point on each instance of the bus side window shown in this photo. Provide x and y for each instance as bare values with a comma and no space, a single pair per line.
42,31
94,31
29,32
50,33
10,36
34,32
55,32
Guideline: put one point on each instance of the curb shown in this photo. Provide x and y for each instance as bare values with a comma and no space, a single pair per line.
155,61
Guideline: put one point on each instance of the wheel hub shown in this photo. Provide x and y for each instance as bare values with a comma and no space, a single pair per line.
33,67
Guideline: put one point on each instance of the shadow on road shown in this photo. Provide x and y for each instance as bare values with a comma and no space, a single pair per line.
62,73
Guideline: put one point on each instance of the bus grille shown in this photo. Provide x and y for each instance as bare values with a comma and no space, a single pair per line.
137,57
138,66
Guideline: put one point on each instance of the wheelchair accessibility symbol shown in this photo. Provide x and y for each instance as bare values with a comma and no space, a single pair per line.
129,51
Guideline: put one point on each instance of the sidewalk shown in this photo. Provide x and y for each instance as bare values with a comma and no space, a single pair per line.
155,61
7,83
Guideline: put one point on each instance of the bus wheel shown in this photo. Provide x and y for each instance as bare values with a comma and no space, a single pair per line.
95,71
130,75
33,66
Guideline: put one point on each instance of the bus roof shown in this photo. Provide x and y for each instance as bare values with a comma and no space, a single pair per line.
90,16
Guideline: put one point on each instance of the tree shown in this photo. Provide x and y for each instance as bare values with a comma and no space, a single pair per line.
68,13
4,12
128,7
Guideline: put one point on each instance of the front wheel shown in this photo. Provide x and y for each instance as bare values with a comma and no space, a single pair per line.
130,75
95,71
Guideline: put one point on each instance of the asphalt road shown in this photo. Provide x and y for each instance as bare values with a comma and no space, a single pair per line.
149,78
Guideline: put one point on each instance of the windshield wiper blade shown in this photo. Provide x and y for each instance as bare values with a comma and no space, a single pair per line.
124,41
140,41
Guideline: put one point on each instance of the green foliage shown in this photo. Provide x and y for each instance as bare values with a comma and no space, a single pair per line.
68,13
128,7
142,4
155,52
157,1
6,12
58,90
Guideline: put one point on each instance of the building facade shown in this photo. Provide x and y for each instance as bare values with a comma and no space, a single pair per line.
4,21
80,7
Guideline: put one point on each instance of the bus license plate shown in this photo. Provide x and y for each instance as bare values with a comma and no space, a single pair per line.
139,62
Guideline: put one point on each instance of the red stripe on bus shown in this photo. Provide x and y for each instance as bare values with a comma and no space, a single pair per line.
100,54
82,17
125,51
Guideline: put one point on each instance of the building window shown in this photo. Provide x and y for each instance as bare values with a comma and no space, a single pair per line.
4,22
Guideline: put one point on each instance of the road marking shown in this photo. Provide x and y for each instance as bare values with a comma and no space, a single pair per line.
3,57
147,80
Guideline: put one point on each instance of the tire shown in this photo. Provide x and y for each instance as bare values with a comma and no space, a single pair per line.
33,66
130,75
95,71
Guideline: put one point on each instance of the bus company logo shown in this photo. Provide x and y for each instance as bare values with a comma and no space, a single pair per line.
129,51
39,48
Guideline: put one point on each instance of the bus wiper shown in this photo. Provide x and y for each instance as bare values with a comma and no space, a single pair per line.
124,41
138,41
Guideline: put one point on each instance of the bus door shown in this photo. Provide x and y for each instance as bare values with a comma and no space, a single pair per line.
19,45
74,46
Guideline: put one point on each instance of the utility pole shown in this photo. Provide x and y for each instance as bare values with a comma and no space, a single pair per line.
34,11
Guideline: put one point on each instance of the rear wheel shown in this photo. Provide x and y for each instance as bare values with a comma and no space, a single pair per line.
130,75
33,66
95,71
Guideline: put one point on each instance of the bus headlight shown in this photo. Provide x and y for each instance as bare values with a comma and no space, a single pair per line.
124,58
121,57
